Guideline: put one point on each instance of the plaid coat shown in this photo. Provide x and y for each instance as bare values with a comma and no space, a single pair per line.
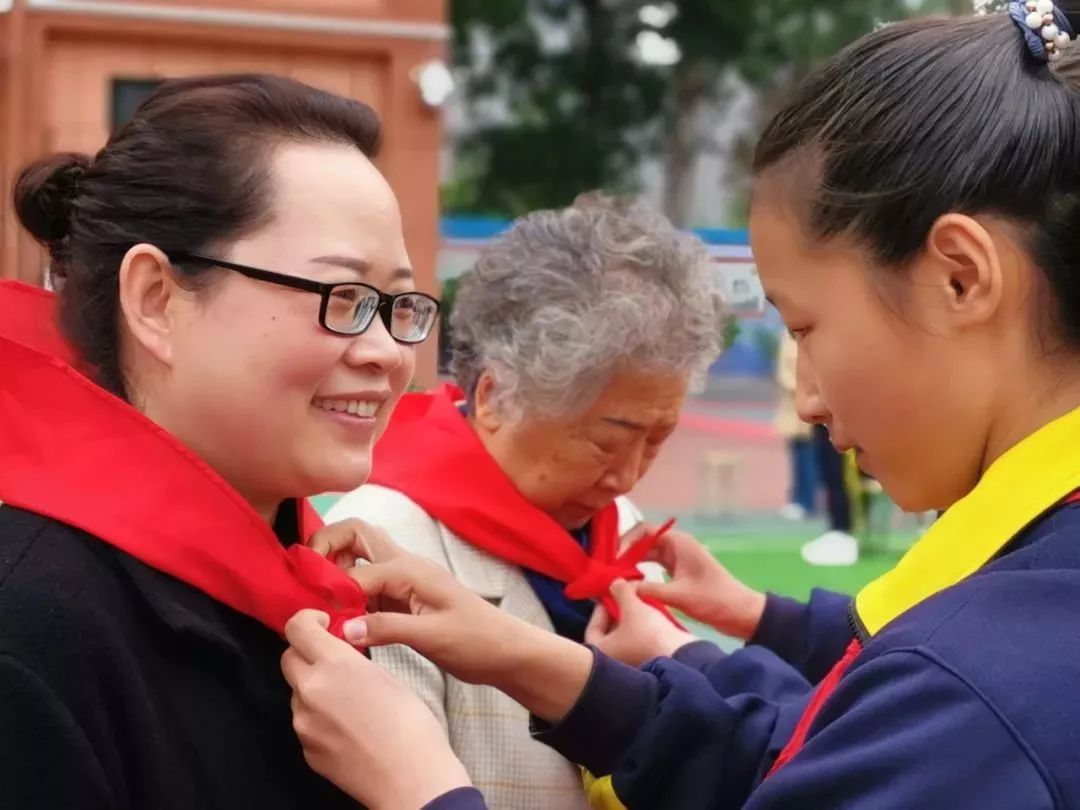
488,731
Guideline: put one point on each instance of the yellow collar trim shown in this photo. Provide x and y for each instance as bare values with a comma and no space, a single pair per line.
1021,485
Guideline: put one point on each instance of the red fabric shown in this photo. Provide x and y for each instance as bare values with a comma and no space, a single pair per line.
821,694
75,453
431,454
28,315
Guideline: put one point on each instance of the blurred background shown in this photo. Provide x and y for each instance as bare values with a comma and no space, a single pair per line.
493,108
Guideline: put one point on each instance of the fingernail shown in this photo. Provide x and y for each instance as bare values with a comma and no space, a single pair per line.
355,630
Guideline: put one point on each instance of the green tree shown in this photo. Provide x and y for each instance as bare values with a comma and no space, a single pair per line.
570,115
571,106
811,32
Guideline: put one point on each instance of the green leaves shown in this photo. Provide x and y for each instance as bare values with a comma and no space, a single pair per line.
559,101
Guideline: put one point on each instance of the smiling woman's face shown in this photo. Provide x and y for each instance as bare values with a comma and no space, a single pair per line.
254,385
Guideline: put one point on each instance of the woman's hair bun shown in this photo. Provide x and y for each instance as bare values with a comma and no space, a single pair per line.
44,193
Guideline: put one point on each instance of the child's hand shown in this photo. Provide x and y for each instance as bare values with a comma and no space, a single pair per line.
702,588
360,727
642,632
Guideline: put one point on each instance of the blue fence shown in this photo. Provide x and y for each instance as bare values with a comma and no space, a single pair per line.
480,229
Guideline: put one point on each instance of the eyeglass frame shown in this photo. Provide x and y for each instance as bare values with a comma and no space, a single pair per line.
384,309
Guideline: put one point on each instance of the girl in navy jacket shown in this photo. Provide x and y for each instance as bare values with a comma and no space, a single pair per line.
916,220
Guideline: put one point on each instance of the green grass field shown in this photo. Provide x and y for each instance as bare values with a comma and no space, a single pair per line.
777,566
771,562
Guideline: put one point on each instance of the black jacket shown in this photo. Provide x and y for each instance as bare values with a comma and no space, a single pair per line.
125,689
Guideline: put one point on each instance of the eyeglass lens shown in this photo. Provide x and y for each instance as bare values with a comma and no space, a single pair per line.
351,309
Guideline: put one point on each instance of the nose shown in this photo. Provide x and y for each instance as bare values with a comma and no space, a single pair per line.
375,348
622,477
809,404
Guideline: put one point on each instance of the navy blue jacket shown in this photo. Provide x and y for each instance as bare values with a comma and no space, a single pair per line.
969,700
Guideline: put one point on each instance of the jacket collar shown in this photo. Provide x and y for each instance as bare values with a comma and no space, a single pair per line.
1023,485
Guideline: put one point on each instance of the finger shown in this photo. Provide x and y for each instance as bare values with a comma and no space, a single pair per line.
662,591
334,538
665,552
306,633
407,581
625,594
293,666
599,625
381,629
373,544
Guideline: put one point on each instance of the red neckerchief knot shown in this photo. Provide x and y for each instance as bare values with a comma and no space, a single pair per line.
325,578
596,580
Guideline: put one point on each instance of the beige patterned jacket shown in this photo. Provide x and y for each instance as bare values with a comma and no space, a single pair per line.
488,731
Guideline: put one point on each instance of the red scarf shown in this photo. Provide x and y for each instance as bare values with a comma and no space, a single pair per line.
431,454
74,453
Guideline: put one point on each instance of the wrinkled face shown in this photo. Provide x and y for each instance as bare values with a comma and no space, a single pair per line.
892,368
572,467
277,404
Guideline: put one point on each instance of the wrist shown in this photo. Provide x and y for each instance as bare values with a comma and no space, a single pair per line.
675,641
544,672
426,784
750,616
739,617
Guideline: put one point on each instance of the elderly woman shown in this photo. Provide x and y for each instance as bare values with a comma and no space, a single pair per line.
575,341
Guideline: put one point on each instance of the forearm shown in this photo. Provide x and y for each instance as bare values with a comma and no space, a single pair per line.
545,673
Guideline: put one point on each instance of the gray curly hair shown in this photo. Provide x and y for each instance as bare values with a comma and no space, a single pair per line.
564,299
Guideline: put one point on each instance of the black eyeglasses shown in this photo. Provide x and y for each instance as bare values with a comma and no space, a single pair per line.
348,308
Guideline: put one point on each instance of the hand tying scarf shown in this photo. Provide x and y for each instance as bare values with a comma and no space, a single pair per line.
431,454
75,453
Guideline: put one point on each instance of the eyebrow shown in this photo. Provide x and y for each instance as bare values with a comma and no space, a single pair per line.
361,266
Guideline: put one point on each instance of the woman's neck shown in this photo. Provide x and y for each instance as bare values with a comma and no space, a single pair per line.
1031,402
231,470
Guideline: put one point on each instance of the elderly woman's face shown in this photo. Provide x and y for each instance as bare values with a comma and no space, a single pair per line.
573,467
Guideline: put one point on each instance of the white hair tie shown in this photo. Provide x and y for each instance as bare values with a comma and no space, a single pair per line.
1045,27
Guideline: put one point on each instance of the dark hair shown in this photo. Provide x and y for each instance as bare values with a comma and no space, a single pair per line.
923,118
189,172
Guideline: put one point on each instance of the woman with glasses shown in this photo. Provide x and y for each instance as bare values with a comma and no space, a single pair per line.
240,319
576,337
